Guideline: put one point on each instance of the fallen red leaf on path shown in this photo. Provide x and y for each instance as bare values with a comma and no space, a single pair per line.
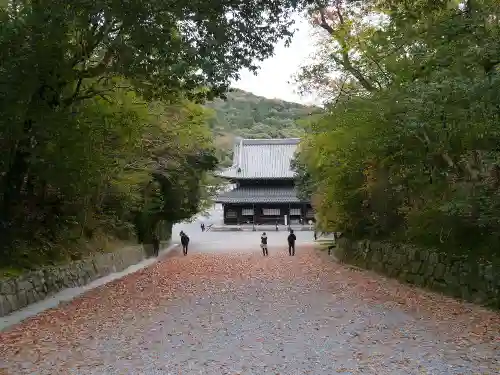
109,309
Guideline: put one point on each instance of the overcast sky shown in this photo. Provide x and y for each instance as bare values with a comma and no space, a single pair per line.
276,72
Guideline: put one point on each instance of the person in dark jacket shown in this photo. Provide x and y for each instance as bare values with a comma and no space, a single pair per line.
184,243
263,244
291,243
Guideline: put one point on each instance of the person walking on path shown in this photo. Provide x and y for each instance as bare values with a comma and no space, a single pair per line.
184,243
263,244
202,227
291,243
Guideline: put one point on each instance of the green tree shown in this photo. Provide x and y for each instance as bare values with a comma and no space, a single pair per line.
56,54
415,156
84,84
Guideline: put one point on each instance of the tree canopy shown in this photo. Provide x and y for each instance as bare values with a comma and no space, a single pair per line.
99,130
408,148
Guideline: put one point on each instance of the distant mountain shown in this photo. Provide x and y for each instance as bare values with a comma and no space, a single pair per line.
250,116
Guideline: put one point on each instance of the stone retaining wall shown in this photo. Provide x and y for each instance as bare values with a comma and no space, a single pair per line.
463,276
18,292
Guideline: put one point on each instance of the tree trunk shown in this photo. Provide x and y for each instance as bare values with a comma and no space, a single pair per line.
13,183
146,226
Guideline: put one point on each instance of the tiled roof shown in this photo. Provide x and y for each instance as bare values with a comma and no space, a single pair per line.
259,194
262,159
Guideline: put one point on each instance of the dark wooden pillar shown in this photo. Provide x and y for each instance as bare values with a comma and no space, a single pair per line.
253,217
288,215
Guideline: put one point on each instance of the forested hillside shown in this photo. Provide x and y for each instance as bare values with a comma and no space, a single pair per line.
247,115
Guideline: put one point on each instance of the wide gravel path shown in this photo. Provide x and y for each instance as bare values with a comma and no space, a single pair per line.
246,314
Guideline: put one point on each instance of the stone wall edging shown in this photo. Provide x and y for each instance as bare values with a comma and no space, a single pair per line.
459,276
33,286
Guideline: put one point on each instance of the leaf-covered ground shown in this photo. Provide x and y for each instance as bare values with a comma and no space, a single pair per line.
246,314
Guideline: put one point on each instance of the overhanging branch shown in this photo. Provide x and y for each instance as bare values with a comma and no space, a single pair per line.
345,60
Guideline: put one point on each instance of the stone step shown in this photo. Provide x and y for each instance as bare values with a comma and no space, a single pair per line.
257,228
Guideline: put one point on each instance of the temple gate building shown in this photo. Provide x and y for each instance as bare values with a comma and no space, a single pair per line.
265,187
